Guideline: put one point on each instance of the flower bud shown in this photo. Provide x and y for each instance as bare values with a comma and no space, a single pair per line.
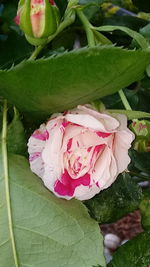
38,19
141,129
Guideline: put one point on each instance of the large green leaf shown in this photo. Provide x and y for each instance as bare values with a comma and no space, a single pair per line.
48,231
122,197
134,253
78,77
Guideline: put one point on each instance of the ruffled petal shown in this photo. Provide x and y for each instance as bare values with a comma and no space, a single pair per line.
109,123
122,143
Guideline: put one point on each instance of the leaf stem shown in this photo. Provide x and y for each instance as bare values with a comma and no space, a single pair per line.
6,178
87,27
124,100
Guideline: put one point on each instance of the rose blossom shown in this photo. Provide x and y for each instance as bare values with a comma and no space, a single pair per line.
81,152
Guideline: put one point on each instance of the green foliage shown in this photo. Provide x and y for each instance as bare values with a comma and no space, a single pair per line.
16,136
76,77
142,5
141,161
136,36
145,31
145,210
131,114
9,54
44,225
134,253
122,197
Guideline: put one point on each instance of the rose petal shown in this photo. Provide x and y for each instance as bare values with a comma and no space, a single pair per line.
66,186
122,143
108,122
86,192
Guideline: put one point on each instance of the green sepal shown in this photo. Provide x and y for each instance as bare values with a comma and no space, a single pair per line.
35,41
25,21
50,23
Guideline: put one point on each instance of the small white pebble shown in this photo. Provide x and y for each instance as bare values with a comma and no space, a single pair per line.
111,241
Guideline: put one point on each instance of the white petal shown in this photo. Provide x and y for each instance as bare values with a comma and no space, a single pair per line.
37,166
87,121
122,142
108,122
86,192
51,152
102,171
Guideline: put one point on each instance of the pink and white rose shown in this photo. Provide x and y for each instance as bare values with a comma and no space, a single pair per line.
81,152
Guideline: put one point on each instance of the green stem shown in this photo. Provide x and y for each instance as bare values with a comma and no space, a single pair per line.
36,52
87,27
140,176
124,100
6,177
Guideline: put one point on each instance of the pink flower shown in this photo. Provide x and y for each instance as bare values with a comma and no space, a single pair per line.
81,152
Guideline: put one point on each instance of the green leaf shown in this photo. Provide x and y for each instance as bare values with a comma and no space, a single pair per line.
16,136
35,225
59,83
131,114
133,253
135,35
9,53
145,210
145,31
141,161
122,197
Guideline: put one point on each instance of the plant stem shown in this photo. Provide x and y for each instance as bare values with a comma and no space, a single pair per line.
6,179
87,27
36,52
124,100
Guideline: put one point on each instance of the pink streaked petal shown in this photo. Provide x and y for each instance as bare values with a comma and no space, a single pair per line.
69,144
103,135
52,2
63,190
41,136
34,156
67,185
37,1
89,149
35,145
17,19
65,123
97,184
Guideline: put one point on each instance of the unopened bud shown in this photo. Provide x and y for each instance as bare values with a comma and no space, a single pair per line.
38,19
141,129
